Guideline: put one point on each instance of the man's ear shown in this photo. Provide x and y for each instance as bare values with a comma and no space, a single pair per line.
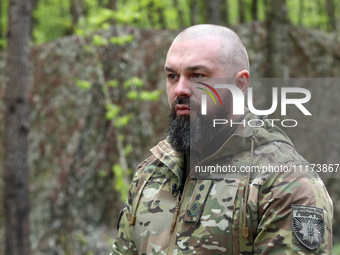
242,80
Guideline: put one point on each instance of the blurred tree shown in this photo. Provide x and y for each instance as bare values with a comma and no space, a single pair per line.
194,12
277,45
3,23
320,9
77,10
150,13
1,29
34,20
224,8
241,11
53,20
57,18
301,11
277,36
180,14
16,201
112,5
254,10
331,14
161,16
213,11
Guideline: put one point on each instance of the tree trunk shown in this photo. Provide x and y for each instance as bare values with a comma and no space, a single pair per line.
34,21
321,12
1,28
161,17
112,5
193,12
265,5
76,11
16,200
224,12
277,36
180,14
213,14
301,11
150,13
277,50
254,9
331,15
241,11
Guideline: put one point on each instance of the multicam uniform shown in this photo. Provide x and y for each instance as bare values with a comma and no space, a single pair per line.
286,213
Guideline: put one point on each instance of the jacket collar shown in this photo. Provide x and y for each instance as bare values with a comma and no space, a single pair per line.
169,157
238,142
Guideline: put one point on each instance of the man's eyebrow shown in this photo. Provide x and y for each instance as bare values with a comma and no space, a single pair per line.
189,68
168,69
197,67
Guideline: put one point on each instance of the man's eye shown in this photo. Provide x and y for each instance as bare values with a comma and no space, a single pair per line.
197,75
172,76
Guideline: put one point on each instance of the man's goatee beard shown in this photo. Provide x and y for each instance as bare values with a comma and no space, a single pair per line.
185,134
179,128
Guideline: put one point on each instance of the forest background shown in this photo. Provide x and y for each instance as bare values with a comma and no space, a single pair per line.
83,100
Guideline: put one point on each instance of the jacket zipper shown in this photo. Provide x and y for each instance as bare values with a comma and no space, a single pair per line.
174,224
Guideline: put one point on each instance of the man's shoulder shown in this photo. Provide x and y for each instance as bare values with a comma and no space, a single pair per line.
147,165
160,151
278,152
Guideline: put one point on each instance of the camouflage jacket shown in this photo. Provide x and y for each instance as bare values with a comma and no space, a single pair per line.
285,213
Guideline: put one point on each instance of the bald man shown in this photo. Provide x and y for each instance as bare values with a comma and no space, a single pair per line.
170,210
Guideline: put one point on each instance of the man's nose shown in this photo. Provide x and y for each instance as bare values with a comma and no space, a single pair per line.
183,87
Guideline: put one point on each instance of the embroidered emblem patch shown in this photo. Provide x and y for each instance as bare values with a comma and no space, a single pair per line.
308,225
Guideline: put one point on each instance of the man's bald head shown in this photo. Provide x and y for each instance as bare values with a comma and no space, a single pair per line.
233,55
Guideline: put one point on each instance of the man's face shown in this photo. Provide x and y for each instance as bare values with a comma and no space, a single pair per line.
197,60
191,59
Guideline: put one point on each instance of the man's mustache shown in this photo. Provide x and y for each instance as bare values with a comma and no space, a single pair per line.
185,101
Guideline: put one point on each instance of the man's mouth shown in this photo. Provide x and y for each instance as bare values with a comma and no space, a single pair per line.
182,109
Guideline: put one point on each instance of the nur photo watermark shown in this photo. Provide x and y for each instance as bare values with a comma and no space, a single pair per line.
265,122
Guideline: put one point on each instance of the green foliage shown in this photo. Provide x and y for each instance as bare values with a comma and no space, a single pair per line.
99,41
127,15
150,96
85,85
102,174
144,95
3,23
101,17
111,111
52,20
120,185
121,40
133,82
314,15
81,238
122,121
112,83
128,149
97,18
133,95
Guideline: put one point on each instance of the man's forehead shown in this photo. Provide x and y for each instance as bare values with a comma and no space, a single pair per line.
212,41
193,54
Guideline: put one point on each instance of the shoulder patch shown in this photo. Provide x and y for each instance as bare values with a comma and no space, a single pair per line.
308,225
197,200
